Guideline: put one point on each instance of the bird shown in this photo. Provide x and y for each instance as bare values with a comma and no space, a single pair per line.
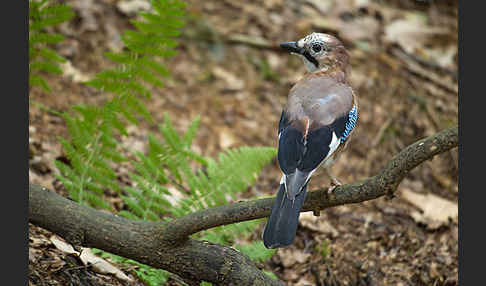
315,126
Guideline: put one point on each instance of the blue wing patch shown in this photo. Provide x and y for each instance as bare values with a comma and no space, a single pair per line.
350,124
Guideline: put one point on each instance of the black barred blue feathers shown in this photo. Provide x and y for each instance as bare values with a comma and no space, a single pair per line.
352,118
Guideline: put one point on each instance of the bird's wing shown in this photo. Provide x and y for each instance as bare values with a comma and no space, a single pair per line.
314,123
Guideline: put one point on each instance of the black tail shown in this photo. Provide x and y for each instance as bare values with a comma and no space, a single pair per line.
282,225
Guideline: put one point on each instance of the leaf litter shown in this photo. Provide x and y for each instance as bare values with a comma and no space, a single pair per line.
220,74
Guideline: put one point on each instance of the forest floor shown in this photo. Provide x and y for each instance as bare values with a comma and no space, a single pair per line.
230,72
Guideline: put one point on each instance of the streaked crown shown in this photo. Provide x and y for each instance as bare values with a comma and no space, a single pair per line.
319,51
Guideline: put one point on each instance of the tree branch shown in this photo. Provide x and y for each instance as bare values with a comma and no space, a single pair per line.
384,183
143,241
167,245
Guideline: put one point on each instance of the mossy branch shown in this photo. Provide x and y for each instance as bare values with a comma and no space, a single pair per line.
167,245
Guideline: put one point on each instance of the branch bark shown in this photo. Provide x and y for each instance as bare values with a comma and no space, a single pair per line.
168,246
384,183
146,242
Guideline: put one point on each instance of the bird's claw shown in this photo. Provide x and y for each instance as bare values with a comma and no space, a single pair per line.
334,183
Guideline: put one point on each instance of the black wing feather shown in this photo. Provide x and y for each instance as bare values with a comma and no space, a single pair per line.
284,122
339,125
290,149
317,148
293,154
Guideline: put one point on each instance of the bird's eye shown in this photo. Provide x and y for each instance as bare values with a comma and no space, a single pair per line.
316,48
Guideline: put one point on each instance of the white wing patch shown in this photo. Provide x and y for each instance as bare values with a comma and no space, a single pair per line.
310,174
335,142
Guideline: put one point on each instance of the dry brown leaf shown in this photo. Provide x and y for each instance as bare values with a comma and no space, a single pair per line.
134,143
360,29
88,10
322,6
411,32
290,275
33,177
131,7
325,24
62,245
68,70
99,265
361,3
274,61
56,264
226,138
175,195
102,266
290,257
304,281
270,4
232,82
52,151
317,223
436,211
38,241
442,56
34,255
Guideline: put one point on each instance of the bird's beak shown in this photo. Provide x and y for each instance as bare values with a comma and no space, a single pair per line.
292,47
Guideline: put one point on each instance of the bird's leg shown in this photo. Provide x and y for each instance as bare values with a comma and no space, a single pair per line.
334,182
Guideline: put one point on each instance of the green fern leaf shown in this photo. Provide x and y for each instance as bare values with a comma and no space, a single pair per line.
42,59
256,250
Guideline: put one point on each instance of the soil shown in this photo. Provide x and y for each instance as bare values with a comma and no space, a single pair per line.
405,78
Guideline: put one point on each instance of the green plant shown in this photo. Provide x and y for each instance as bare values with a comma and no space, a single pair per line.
203,183
95,131
42,58
256,250
263,66
170,165
323,250
150,275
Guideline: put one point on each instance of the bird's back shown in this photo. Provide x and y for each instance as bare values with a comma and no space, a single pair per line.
320,99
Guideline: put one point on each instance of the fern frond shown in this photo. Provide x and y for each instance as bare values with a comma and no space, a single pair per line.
139,65
236,170
256,250
94,145
222,179
170,164
207,182
43,14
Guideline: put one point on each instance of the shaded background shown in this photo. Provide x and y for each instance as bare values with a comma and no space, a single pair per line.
230,71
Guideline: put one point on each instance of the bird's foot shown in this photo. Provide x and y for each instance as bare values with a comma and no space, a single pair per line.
334,183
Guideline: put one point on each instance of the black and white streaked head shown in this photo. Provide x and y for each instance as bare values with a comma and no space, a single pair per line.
319,52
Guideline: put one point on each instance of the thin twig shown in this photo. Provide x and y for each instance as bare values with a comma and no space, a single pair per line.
416,69
381,132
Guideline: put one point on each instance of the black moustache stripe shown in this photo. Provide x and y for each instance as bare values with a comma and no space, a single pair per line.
311,59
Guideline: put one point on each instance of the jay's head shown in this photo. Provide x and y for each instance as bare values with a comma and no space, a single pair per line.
319,51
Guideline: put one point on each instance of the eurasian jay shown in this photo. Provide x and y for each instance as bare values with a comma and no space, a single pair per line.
314,127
